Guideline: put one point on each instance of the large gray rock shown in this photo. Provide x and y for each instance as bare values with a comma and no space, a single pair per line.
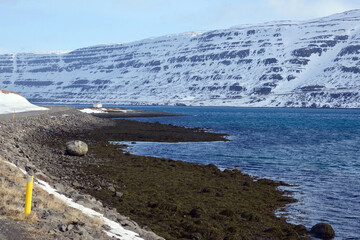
76,148
322,230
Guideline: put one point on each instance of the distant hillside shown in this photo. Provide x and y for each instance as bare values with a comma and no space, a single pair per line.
278,64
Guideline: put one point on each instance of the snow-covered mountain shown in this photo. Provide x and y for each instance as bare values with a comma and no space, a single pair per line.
296,64
11,102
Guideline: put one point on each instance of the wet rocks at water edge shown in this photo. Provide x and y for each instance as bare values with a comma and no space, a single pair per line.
322,230
76,148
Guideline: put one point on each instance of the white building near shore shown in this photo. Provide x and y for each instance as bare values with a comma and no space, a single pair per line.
97,105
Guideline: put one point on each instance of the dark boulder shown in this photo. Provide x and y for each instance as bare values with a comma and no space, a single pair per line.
322,230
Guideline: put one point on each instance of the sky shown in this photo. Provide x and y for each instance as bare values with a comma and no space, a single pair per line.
46,25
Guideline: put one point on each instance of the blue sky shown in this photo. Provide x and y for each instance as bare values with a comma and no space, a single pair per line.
35,25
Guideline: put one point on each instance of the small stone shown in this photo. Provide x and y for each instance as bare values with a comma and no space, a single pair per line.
106,227
322,230
96,209
69,227
97,235
30,170
146,228
59,187
119,194
80,197
75,184
82,231
301,229
195,212
112,189
62,227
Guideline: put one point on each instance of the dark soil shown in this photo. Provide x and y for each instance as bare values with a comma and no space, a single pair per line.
177,200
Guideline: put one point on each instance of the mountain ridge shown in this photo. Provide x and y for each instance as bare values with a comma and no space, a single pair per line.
312,63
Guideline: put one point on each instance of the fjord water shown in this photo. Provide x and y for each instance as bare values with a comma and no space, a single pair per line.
317,149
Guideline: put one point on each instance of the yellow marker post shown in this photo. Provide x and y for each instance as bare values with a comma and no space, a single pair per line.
14,115
29,187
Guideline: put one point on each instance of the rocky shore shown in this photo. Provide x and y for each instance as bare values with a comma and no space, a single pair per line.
20,141
174,199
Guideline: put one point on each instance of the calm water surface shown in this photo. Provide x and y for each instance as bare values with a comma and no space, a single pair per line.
318,149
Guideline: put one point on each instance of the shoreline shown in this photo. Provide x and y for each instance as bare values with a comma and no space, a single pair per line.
126,113
185,105
91,174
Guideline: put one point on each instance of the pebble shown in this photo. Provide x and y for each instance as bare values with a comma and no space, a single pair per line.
119,194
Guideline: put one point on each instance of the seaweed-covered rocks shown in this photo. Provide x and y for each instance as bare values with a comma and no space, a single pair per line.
175,199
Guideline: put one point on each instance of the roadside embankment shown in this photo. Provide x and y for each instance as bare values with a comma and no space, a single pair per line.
51,217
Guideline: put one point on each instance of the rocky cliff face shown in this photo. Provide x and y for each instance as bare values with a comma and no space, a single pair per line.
279,64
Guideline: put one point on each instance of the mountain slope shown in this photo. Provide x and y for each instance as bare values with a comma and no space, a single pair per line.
296,64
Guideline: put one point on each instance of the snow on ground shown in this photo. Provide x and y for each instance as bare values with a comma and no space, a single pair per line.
124,110
89,110
12,102
104,110
116,230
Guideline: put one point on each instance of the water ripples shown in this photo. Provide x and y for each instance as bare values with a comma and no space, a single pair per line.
316,149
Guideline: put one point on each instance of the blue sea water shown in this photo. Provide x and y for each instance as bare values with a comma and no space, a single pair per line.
316,149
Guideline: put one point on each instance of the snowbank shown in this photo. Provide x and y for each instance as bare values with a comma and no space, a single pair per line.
104,110
12,102
124,110
89,110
